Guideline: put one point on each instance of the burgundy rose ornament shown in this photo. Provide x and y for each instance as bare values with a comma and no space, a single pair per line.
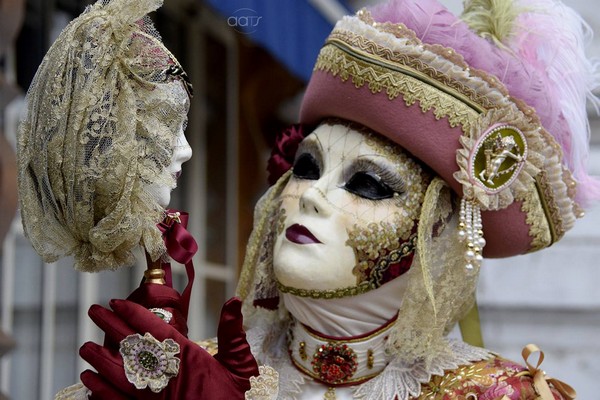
284,151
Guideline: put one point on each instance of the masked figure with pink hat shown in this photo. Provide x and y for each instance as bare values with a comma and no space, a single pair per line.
426,142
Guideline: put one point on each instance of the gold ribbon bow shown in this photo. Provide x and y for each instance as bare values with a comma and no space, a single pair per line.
540,380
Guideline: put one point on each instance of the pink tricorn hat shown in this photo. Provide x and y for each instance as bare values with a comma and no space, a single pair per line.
502,120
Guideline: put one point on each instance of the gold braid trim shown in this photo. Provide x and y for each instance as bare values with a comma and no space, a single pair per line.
547,200
346,382
410,61
361,288
539,228
401,31
396,81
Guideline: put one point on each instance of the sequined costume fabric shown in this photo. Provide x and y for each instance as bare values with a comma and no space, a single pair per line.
485,380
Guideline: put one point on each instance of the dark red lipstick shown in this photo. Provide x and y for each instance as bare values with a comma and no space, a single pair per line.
300,234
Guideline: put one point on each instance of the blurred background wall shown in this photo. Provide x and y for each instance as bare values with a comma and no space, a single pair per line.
249,61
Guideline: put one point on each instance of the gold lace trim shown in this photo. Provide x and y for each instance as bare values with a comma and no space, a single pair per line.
395,79
408,60
547,200
210,345
539,228
257,257
75,392
265,386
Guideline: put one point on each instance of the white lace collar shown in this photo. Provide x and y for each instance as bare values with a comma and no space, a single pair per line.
401,380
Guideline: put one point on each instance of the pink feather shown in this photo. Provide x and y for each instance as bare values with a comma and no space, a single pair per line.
547,68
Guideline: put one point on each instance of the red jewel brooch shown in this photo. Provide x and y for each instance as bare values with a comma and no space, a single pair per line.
334,363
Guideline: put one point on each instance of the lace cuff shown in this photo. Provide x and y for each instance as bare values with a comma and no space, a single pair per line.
264,386
75,392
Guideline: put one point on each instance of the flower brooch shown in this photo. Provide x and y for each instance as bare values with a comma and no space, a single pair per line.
149,363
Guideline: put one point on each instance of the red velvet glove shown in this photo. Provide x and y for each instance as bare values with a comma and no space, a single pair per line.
201,376
152,295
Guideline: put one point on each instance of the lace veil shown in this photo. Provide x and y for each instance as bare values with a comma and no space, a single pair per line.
93,138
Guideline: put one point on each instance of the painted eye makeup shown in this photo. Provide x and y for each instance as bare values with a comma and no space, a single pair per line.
372,181
306,167
308,161
369,186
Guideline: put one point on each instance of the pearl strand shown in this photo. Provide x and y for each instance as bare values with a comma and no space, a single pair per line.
470,231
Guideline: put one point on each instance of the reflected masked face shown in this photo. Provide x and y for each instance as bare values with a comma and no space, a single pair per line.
352,201
176,111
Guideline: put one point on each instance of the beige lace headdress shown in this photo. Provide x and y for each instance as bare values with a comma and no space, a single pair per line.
100,126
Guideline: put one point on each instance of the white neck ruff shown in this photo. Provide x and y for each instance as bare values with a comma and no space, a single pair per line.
349,316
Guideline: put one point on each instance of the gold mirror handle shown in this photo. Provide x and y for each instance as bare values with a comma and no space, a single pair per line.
154,273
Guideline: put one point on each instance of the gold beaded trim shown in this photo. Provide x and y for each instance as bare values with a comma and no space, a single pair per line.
326,294
377,269
372,48
302,351
330,394
338,59
370,359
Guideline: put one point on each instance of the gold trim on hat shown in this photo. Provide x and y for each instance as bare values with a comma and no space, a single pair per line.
395,58
396,81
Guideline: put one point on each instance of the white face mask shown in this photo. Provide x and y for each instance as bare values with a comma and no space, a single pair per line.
182,152
352,201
